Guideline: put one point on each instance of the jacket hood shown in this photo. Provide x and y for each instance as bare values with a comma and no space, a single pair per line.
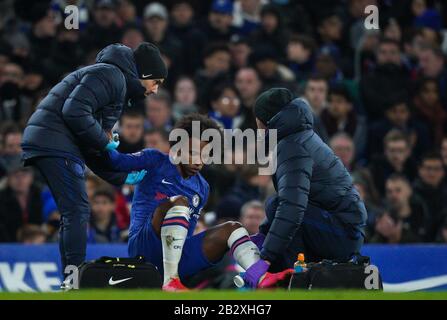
294,117
122,56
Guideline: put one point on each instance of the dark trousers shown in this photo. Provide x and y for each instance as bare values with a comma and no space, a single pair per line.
66,181
321,236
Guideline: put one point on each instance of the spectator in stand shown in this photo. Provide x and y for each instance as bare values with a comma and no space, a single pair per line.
219,27
431,187
330,28
273,74
184,27
249,86
365,52
431,37
398,116
34,88
425,16
301,56
409,207
428,109
132,36
123,198
43,32
396,159
247,16
390,229
223,178
272,32
127,12
103,30
369,195
131,132
13,105
185,97
240,49
248,186
157,139
432,65
159,111
412,43
340,116
392,30
316,92
327,66
216,66
388,81
31,234
11,150
252,215
344,148
93,183
65,56
103,227
226,106
156,30
20,202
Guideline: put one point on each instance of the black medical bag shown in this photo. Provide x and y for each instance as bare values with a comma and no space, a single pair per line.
356,274
108,272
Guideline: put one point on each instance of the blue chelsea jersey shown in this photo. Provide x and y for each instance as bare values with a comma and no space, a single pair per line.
163,180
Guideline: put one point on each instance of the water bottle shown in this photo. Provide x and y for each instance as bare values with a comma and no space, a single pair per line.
239,281
300,265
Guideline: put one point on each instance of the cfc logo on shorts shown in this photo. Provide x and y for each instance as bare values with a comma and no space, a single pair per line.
195,200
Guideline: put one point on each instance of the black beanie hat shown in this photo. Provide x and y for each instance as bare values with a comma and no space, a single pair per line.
270,102
150,65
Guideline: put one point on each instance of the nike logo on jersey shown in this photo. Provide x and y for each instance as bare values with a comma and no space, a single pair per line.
165,182
114,282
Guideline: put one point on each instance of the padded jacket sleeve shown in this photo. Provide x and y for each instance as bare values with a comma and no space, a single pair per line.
95,91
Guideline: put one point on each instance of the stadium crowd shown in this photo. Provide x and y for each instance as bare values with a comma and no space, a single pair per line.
379,99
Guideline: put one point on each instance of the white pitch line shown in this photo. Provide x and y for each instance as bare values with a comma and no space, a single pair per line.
415,285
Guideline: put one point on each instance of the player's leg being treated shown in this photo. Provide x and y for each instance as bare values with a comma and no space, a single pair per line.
244,251
247,255
173,233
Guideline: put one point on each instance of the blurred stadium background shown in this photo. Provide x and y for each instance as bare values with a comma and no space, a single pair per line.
379,99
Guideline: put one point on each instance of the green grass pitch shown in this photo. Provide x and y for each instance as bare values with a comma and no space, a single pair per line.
113,294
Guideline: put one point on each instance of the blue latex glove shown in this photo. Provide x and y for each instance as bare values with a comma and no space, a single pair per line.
135,177
114,143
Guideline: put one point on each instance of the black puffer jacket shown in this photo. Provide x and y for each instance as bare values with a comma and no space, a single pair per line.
72,120
307,172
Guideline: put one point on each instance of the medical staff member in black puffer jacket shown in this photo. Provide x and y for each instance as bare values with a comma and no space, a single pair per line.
316,210
72,126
